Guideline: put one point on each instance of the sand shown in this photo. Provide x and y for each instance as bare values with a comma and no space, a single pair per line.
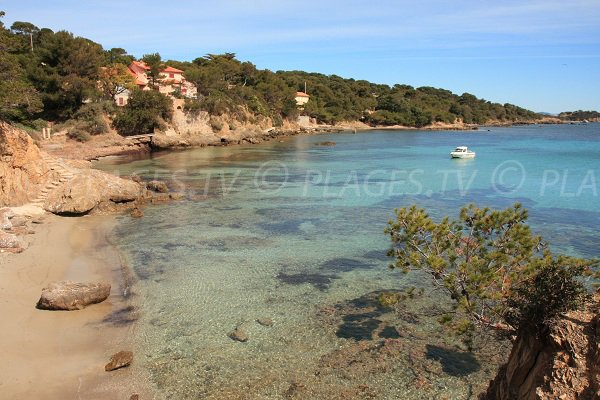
61,354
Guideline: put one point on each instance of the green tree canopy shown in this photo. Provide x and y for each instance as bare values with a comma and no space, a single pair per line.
145,111
495,271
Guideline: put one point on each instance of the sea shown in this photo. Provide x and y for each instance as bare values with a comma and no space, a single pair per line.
283,242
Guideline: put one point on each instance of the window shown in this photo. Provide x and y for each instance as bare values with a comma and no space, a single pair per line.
171,75
121,101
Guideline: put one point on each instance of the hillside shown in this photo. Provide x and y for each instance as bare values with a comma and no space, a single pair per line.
60,77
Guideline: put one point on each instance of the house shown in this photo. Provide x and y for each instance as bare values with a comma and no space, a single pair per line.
301,99
170,80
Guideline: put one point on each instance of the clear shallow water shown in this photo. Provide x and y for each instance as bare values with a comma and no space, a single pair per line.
293,231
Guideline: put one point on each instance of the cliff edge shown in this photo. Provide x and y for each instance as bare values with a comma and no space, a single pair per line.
22,168
564,364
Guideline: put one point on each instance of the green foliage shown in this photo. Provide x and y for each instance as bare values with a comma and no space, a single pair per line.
117,55
78,134
115,79
579,115
154,62
90,117
64,71
145,111
497,273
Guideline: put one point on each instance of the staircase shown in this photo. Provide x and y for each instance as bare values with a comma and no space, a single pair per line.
64,174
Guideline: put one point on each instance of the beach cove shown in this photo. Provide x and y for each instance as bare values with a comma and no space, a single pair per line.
292,231
284,242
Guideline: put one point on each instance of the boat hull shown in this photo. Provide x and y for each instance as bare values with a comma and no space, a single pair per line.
462,155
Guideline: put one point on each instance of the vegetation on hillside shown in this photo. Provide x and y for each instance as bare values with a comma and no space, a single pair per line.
497,273
579,115
49,76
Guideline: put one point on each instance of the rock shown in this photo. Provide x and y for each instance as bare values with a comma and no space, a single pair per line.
19,221
136,213
119,360
88,189
265,321
22,168
239,335
72,295
157,186
563,363
5,215
9,241
135,397
328,143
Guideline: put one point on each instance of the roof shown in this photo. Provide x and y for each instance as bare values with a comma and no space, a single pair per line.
140,64
173,70
301,94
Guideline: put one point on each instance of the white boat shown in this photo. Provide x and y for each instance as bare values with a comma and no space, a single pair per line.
462,152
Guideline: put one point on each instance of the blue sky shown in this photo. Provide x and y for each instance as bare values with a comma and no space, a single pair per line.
543,55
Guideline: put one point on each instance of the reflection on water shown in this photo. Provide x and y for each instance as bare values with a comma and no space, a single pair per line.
293,232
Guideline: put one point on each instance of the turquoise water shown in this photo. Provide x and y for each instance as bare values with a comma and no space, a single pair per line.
292,231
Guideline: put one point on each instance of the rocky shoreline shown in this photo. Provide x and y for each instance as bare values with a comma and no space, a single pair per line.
187,132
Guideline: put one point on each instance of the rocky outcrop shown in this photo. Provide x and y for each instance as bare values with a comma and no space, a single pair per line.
9,241
119,360
5,215
72,295
22,168
564,364
90,189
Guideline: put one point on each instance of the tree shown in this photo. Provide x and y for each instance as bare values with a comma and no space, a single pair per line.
114,80
154,62
145,111
118,55
64,69
497,273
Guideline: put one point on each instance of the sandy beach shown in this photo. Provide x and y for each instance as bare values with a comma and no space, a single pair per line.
61,354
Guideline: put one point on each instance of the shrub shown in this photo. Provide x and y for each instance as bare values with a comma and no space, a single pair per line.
145,111
79,135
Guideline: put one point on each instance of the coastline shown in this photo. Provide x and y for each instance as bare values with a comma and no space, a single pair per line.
61,354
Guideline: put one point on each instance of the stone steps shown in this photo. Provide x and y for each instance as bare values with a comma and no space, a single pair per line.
64,175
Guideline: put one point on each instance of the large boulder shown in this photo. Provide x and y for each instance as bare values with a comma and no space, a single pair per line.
22,168
90,188
72,295
9,241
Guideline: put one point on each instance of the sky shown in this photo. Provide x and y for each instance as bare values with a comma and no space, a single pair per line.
543,55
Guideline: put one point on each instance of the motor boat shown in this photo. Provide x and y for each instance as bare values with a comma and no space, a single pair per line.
462,152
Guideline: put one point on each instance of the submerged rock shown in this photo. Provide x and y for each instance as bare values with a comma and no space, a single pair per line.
136,213
239,335
265,321
72,295
157,186
119,360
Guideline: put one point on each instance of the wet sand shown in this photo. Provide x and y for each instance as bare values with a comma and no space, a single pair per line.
61,354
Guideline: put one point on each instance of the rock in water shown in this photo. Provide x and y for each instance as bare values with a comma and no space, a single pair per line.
136,213
72,295
119,360
157,186
265,321
239,335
